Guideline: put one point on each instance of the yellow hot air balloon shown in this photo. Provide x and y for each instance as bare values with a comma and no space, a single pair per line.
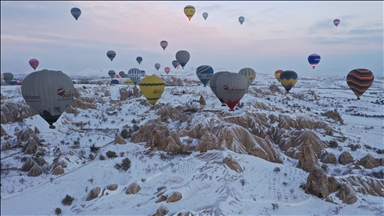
189,11
152,88
129,82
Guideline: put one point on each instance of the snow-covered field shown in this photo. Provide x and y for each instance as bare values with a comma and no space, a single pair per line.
208,185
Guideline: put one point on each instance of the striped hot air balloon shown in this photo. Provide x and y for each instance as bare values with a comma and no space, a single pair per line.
134,74
277,74
231,87
213,86
111,73
359,81
204,73
152,88
288,79
249,74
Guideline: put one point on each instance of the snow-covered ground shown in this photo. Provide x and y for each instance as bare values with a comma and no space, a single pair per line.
208,186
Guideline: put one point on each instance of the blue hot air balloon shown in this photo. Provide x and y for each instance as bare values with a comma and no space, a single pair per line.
76,12
111,73
139,59
182,57
204,73
111,54
134,74
115,81
313,60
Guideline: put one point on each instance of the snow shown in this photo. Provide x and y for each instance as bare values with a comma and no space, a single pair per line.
208,187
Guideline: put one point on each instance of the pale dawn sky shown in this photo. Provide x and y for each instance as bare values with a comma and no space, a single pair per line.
275,35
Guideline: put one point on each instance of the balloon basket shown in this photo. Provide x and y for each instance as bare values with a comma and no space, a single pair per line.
51,127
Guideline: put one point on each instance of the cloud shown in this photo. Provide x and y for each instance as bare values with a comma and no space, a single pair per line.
367,32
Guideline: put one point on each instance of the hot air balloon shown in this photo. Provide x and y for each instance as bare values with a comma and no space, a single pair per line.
175,64
213,86
129,81
313,60
121,73
359,81
152,88
111,54
336,22
125,76
205,15
167,70
117,76
241,20
115,81
34,63
204,73
182,57
157,66
139,59
163,44
134,74
8,77
48,93
76,12
142,73
2,77
249,74
13,82
189,11
231,88
111,73
84,81
288,79
277,74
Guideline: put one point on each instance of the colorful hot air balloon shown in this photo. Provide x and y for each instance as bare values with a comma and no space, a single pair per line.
241,20
34,63
117,76
359,81
139,59
336,22
163,44
205,15
157,66
142,73
111,54
231,88
8,77
167,70
277,74
111,73
249,74
213,86
129,81
313,60
189,11
152,88
182,57
48,93
76,12
204,73
288,79
134,74
121,73
175,64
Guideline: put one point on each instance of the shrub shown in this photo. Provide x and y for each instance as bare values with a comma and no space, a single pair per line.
67,200
124,133
111,154
124,165
102,157
277,169
333,144
58,211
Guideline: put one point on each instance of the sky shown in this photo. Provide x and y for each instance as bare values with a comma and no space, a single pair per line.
275,35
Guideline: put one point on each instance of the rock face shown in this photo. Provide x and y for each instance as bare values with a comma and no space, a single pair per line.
233,164
307,158
202,100
133,188
370,162
58,170
29,163
14,112
112,187
175,196
335,115
35,171
366,185
161,211
345,158
347,194
208,141
93,193
319,184
2,131
326,157
120,140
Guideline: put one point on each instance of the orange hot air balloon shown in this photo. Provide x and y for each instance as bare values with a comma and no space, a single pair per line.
277,74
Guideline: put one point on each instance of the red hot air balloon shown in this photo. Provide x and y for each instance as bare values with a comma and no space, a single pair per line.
336,22
34,63
167,70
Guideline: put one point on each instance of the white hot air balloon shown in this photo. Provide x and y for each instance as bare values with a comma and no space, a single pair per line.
231,88
212,84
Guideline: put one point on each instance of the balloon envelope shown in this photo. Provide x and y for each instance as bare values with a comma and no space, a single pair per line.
142,73
313,60
163,44
336,22
288,79
359,81
76,12
213,86
48,93
182,57
241,20
111,54
121,73
34,63
231,88
152,88
8,77
167,70
277,74
115,81
139,59
157,66
134,74
111,73
175,64
204,73
189,11
205,15
249,74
